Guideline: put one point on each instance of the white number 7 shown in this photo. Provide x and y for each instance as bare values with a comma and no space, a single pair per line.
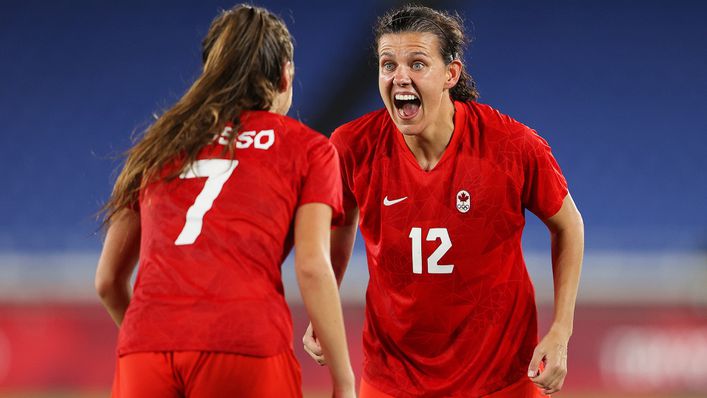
217,172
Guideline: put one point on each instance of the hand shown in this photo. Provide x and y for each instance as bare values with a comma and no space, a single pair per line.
552,353
312,347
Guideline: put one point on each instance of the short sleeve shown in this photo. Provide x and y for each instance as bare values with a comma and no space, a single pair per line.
544,186
346,164
322,183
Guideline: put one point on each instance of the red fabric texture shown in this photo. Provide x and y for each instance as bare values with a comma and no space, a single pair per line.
194,374
523,388
450,306
223,291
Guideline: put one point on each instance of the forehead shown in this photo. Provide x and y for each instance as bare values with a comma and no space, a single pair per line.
404,42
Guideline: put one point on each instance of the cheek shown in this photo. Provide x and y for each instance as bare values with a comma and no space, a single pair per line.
385,79
384,84
432,85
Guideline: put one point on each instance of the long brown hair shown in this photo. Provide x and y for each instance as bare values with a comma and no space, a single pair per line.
243,55
449,29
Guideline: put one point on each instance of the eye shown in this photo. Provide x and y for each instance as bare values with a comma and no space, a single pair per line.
417,65
388,66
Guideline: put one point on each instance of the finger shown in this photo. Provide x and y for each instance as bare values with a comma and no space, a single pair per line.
554,373
546,378
313,349
556,384
312,345
543,384
543,387
534,367
547,389
555,367
552,383
318,358
312,352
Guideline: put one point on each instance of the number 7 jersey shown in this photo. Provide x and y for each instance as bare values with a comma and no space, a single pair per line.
214,238
450,307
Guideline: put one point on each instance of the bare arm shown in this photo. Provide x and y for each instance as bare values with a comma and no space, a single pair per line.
342,243
567,237
118,260
319,291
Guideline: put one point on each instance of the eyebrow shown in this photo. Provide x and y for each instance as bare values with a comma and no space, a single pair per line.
414,53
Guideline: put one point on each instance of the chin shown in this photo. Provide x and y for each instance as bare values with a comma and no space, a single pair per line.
410,129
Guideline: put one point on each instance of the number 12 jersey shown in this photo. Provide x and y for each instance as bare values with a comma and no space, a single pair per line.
450,307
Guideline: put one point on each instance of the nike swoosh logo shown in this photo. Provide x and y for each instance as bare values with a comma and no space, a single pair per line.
392,202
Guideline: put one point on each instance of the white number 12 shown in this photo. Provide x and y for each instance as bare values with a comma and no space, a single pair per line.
217,172
432,235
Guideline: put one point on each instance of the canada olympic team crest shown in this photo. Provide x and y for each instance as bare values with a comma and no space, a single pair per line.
463,201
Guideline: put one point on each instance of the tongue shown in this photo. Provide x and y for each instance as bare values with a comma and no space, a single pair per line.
410,108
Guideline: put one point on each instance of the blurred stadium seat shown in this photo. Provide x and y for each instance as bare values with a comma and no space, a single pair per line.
617,89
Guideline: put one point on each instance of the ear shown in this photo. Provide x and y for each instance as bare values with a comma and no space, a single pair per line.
288,72
454,71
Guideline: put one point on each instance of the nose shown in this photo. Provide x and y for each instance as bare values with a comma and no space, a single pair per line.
401,77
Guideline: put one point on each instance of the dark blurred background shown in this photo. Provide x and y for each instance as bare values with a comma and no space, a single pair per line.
618,88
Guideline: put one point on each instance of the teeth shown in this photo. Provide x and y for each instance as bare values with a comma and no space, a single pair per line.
405,97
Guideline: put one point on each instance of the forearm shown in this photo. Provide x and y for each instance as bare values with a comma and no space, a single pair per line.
321,299
116,299
340,257
118,260
567,254
342,243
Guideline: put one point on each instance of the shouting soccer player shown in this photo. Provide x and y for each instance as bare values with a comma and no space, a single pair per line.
439,184
211,200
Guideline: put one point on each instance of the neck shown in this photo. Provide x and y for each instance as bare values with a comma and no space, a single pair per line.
281,103
428,146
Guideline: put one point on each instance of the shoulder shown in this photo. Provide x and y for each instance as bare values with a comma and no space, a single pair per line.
282,123
500,127
362,132
312,145
294,126
305,133
289,130
493,119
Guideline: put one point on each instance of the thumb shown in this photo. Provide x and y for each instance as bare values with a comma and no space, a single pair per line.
538,356
311,342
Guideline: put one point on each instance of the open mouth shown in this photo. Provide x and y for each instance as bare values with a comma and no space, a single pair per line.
407,105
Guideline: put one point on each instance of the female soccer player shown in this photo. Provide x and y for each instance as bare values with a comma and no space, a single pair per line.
439,184
211,200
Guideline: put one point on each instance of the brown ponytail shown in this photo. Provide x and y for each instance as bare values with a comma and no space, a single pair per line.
243,55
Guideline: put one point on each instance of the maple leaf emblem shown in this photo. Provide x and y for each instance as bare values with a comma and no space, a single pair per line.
463,197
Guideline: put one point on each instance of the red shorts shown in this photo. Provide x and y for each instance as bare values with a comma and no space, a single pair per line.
523,388
195,374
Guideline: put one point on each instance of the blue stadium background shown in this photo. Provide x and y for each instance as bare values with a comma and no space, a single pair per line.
617,87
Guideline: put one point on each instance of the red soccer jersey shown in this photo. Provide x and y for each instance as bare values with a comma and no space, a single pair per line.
450,308
213,241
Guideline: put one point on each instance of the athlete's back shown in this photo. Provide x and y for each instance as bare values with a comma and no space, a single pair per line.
221,231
